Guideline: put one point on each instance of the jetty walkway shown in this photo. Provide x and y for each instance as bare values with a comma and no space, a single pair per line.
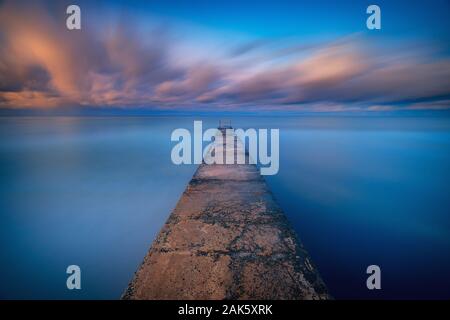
227,239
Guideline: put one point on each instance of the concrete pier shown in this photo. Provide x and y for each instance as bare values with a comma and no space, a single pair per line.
227,239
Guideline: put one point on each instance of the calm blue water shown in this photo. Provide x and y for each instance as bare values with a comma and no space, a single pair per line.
95,191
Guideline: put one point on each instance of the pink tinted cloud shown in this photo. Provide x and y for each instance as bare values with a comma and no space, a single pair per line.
44,65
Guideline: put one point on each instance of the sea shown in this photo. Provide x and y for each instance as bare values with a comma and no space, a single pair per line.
94,191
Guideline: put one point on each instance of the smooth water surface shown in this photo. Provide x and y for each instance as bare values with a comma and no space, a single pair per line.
94,191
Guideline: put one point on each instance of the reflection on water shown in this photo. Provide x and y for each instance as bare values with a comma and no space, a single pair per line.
95,191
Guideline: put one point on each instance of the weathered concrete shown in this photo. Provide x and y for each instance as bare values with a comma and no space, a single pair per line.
227,239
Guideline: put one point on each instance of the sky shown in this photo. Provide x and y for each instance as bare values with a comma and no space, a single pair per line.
312,56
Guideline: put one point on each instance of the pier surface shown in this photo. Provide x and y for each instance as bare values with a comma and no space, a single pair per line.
227,239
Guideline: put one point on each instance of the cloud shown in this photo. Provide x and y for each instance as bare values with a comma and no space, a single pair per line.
125,62
46,63
346,73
